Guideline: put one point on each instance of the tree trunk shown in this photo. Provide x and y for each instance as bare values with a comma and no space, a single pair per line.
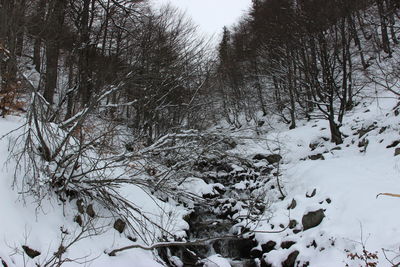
84,72
384,31
55,24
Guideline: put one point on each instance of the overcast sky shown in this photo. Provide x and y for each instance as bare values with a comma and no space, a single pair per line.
211,15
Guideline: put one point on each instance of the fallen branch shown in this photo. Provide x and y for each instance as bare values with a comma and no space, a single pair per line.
388,194
199,242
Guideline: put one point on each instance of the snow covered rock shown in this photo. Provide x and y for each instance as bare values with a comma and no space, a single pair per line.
291,259
272,159
312,219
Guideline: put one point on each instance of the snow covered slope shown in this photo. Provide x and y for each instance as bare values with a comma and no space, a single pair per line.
346,180
23,222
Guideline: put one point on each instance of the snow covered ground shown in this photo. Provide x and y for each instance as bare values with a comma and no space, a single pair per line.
347,183
24,222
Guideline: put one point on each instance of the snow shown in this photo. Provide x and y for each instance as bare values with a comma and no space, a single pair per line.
25,222
198,187
346,183
349,177
216,261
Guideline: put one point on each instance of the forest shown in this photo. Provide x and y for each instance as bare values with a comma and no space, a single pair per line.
115,103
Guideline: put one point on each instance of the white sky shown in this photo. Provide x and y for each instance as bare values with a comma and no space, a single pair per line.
211,15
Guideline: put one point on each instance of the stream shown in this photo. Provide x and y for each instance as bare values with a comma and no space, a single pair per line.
240,198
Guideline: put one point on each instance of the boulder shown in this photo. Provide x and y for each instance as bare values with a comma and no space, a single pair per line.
397,151
312,219
287,244
269,246
242,247
291,259
316,157
256,253
264,262
274,158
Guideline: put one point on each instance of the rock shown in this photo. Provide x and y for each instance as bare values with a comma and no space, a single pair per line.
235,248
287,244
316,157
336,148
313,193
314,244
274,158
395,143
132,238
312,219
78,220
382,129
81,208
256,253
224,167
3,263
119,225
397,151
266,171
363,143
264,262
364,131
260,157
292,205
175,261
313,146
31,252
210,196
328,200
291,259
189,258
269,246
292,224
90,211
242,246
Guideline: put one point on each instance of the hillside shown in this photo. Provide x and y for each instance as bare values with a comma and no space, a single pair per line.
126,140
341,182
